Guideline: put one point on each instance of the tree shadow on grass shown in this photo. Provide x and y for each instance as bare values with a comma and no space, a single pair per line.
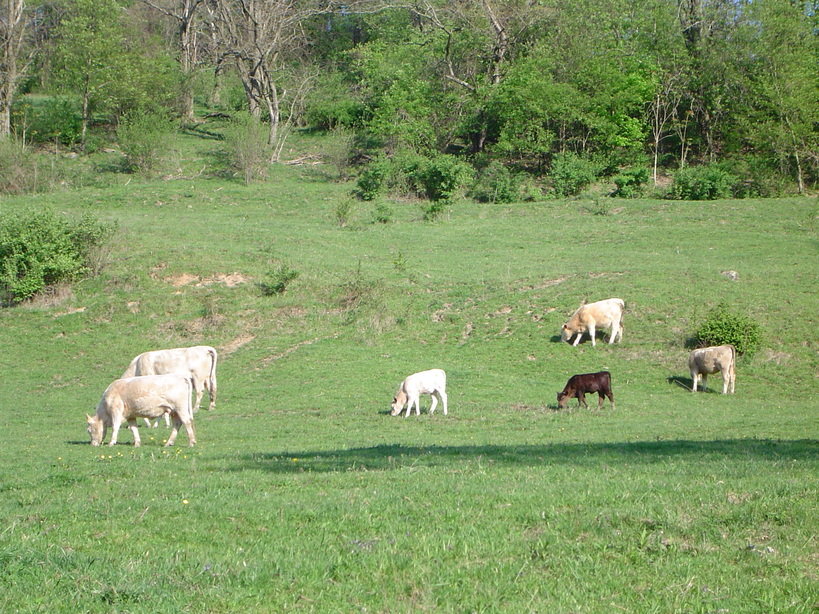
395,456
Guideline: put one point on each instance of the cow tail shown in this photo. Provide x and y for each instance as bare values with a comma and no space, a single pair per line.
189,380
212,376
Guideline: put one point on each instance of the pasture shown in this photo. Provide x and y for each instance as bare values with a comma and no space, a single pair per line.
304,495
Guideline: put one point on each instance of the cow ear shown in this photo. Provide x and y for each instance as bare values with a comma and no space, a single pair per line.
88,418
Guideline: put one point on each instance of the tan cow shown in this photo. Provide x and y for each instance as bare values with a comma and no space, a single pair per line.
431,382
705,361
199,362
602,314
147,396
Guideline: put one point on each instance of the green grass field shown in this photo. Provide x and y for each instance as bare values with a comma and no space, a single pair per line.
304,495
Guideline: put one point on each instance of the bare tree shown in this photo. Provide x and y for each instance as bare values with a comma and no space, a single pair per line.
13,23
184,12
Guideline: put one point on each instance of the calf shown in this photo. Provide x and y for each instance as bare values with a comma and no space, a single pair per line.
431,382
579,385
604,314
148,396
705,361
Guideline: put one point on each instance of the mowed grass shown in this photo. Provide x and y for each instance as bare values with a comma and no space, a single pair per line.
303,494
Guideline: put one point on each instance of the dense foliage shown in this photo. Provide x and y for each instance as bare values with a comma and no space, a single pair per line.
568,92
40,248
724,325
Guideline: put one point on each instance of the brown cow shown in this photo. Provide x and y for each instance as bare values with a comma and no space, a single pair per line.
579,385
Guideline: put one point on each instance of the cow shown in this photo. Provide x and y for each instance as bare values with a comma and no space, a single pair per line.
431,382
602,314
705,361
579,385
198,362
145,396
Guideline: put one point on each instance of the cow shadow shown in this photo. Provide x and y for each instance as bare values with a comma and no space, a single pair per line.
682,382
387,457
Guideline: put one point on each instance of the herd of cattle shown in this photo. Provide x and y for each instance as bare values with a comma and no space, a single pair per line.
160,384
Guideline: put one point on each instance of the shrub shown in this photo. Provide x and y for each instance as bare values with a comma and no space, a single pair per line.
443,177
21,171
723,326
382,214
372,181
702,183
756,177
246,147
39,249
143,137
55,119
571,173
342,211
630,183
277,280
496,184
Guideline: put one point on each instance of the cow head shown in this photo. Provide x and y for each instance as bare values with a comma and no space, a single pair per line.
396,407
563,399
566,333
95,429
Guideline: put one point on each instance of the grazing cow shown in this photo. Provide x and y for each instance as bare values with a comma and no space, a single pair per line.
705,361
432,382
199,362
602,314
146,396
579,385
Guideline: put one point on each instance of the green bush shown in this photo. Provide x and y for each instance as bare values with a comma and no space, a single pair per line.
143,137
496,184
723,326
702,183
39,249
630,183
756,177
54,119
246,147
277,280
571,173
443,177
372,180
21,171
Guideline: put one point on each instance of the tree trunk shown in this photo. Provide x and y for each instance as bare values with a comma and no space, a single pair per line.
12,30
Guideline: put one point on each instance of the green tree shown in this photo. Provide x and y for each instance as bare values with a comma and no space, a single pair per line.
88,51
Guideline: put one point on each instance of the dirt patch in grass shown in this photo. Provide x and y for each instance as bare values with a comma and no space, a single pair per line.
235,344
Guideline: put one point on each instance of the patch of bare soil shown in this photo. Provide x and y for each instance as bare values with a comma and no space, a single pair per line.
545,284
236,343
295,347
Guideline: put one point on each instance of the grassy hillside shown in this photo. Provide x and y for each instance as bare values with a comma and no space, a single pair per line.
304,495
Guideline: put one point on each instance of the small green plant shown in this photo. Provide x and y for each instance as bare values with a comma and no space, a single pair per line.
599,207
143,138
571,173
630,183
20,169
39,249
724,326
702,183
343,210
382,214
277,280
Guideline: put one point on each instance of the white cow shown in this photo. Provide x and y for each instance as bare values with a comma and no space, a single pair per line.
602,314
147,396
431,382
198,362
705,361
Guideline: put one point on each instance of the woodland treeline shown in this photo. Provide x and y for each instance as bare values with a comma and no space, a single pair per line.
569,90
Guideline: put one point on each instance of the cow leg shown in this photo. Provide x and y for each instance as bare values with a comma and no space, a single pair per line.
147,423
610,395
733,377
615,330
581,400
132,425
200,392
694,377
115,423
434,403
724,381
418,405
442,394
591,333
704,382
174,431
600,397
191,435
577,339
211,385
